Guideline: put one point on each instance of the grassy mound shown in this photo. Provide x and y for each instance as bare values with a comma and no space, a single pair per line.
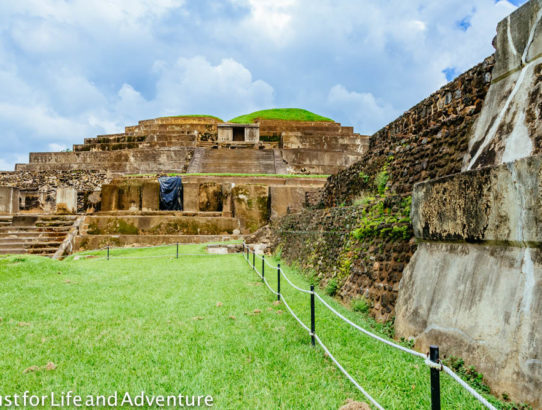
194,325
289,114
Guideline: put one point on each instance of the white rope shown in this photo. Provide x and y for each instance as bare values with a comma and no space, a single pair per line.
284,275
292,285
342,369
396,346
294,315
465,385
427,361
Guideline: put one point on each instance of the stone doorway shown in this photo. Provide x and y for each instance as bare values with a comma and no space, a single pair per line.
238,134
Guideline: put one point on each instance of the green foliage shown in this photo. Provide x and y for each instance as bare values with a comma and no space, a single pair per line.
363,200
360,304
332,287
381,180
468,373
379,220
364,177
290,114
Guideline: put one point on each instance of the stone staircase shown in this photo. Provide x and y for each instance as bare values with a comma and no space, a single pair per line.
195,164
34,234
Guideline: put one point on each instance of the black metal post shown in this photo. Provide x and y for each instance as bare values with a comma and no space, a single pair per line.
254,259
278,282
108,253
313,318
177,250
435,379
263,268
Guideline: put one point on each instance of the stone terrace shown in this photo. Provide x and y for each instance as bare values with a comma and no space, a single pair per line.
189,144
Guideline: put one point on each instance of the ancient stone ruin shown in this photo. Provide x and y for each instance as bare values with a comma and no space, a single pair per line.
234,179
433,221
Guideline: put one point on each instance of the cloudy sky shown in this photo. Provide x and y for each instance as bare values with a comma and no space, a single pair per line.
71,69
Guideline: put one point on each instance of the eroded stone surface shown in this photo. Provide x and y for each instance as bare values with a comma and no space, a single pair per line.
500,204
481,303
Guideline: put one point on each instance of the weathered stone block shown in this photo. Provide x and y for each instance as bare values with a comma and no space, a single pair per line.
251,206
287,200
499,204
190,196
66,201
131,195
9,200
150,196
210,197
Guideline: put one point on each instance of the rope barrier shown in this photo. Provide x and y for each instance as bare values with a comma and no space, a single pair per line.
465,385
380,339
427,361
284,276
303,325
342,369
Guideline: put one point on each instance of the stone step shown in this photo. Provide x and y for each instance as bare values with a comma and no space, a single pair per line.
37,229
152,142
17,243
114,138
32,236
37,252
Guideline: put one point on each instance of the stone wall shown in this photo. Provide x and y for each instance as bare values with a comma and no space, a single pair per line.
428,141
474,286
364,248
38,189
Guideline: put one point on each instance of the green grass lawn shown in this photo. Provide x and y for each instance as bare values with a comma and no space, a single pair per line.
202,325
291,114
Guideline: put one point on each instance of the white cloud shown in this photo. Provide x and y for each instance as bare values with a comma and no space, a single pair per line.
72,69
195,86
361,109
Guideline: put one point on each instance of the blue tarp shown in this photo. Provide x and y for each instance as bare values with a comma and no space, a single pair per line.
171,194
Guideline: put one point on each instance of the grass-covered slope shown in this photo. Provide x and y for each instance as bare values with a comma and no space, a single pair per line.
202,325
290,114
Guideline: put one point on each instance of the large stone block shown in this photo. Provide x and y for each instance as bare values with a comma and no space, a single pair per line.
191,196
210,197
476,288
286,200
499,204
66,201
9,200
251,206
131,195
481,303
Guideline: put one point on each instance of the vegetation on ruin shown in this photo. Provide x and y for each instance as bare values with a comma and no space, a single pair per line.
197,325
381,219
288,114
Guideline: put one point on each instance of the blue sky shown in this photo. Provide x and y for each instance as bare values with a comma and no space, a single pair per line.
71,69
